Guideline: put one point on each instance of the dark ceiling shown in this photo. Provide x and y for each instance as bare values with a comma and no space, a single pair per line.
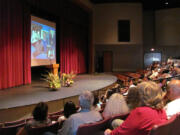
147,4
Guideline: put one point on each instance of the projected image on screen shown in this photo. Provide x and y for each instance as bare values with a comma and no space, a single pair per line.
43,42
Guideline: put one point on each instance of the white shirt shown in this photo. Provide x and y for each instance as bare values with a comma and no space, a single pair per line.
172,108
154,74
132,85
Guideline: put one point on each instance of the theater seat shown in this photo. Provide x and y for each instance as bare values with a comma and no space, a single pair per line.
41,130
171,127
122,117
12,123
54,117
1,125
96,128
56,113
10,129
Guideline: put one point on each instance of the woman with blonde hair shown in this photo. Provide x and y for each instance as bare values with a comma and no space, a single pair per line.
115,105
149,112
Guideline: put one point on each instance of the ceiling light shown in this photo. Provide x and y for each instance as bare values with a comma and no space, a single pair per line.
152,49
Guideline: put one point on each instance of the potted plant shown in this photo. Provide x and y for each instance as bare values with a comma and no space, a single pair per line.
67,79
53,81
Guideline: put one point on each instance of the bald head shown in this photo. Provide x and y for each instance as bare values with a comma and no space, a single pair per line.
174,89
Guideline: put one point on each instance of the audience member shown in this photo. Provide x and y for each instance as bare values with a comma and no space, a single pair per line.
39,118
154,74
177,70
96,104
133,99
86,115
109,92
115,105
69,109
132,83
173,94
150,112
116,88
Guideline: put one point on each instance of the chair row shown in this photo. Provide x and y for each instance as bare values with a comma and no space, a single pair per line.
99,127
49,128
171,127
11,128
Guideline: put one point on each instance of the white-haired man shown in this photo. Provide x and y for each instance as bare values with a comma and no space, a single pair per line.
173,95
86,115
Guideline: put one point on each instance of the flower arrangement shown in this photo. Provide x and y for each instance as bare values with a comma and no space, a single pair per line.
53,80
56,82
67,79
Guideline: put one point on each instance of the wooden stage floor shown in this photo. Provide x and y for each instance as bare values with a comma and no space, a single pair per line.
38,91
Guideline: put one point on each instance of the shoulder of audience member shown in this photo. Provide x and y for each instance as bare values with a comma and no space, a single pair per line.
61,118
90,113
146,111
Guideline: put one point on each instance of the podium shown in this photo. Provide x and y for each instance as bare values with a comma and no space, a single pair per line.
54,68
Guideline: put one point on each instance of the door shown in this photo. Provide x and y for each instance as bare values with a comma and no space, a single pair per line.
107,61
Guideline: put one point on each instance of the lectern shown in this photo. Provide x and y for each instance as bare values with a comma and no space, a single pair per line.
54,68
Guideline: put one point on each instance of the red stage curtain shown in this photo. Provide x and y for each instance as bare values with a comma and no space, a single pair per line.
14,44
73,48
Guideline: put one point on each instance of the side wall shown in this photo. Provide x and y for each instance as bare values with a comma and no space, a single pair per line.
127,56
161,30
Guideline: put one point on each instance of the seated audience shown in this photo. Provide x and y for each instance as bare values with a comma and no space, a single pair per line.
39,118
173,94
86,115
107,95
115,105
154,74
132,98
102,99
116,88
150,112
177,70
96,104
124,91
69,109
132,83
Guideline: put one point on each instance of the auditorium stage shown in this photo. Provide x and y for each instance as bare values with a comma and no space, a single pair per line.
38,90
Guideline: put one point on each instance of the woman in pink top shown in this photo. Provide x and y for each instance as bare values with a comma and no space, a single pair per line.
149,113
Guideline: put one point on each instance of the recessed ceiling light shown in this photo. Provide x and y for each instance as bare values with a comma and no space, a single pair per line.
152,49
166,3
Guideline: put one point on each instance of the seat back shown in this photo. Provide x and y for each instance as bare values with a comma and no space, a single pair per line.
54,117
12,123
1,125
96,128
11,129
176,126
41,130
122,117
56,113
165,128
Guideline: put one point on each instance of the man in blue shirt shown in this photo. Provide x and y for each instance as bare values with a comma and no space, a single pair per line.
86,115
